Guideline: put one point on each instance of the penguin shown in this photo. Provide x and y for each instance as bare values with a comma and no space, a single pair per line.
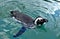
26,21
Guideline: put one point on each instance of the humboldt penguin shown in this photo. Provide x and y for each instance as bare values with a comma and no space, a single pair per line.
26,21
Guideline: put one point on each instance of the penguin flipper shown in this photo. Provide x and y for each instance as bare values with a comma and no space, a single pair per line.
21,31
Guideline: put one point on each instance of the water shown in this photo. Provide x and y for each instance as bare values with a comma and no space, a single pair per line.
33,8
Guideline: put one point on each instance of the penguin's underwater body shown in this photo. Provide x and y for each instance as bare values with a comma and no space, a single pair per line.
27,21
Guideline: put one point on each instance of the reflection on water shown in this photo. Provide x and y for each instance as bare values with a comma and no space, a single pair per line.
33,8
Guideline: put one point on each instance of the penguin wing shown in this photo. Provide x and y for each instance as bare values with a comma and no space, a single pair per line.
20,32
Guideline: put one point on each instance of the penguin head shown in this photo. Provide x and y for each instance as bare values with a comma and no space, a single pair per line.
40,20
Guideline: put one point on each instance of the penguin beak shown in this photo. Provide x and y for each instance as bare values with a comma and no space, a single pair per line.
45,20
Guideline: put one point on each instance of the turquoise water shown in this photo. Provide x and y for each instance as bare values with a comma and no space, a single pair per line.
33,8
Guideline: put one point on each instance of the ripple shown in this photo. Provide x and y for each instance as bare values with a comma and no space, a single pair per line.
32,8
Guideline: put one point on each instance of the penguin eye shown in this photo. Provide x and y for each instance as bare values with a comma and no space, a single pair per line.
41,20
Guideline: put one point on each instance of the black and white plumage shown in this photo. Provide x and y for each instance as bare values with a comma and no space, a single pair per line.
27,21
40,20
